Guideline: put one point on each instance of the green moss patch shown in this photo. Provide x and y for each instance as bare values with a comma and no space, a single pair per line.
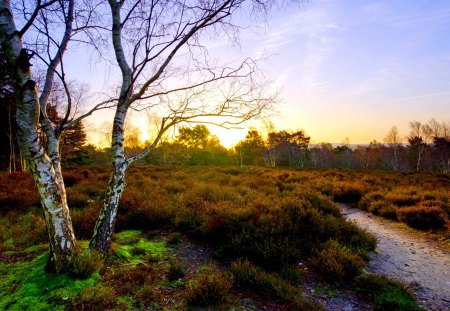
133,249
27,286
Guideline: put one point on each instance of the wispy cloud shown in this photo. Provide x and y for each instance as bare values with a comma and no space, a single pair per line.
311,34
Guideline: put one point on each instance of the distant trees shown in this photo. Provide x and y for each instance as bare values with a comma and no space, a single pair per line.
428,148
250,150
9,148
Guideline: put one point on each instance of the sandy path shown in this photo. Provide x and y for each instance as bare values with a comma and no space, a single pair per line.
408,257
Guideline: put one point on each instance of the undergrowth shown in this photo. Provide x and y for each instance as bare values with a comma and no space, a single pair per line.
386,294
270,217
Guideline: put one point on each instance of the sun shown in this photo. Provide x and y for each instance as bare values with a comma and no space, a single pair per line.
228,137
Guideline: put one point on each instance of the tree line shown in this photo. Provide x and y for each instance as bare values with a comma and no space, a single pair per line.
427,147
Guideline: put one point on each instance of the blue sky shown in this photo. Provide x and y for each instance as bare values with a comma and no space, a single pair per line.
348,68
355,68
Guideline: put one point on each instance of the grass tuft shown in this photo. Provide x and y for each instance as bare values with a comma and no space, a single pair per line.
386,294
209,288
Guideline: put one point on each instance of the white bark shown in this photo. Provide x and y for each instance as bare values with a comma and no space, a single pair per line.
46,171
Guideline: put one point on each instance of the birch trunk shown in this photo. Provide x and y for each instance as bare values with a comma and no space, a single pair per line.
46,171
104,227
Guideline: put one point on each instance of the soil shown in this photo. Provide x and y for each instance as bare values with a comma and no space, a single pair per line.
408,256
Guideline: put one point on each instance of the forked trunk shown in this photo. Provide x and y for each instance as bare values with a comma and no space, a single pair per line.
46,171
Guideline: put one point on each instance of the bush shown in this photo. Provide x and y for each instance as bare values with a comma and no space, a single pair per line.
423,217
92,299
83,219
176,271
23,229
369,198
208,288
383,208
337,263
292,275
252,278
347,192
85,263
386,294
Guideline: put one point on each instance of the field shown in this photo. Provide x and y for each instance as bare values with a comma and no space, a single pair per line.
228,237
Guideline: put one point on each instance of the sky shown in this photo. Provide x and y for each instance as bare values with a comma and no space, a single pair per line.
345,68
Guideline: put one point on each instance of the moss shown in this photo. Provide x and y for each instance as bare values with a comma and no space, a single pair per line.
133,250
128,236
170,283
8,243
26,286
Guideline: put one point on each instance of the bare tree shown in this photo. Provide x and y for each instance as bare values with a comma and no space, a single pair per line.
164,66
44,164
418,139
43,35
393,140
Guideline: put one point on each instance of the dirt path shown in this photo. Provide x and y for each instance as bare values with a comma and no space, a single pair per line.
408,257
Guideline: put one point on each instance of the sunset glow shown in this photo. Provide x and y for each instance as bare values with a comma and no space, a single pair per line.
346,69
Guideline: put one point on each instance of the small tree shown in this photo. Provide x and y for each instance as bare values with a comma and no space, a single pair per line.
418,140
393,140
250,149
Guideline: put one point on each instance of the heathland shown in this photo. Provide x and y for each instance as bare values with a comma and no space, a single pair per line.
222,238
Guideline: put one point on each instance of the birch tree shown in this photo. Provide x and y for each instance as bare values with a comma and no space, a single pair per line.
393,140
40,32
418,139
44,164
164,65
160,49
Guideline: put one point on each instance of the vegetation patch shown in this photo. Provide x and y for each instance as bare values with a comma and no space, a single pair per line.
423,217
209,288
253,278
27,286
386,294
336,263
132,249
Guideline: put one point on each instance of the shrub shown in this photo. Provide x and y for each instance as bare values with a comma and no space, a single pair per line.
403,197
386,294
423,217
18,192
337,263
174,238
252,278
85,263
369,198
175,271
383,208
347,192
293,275
90,299
23,229
208,288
